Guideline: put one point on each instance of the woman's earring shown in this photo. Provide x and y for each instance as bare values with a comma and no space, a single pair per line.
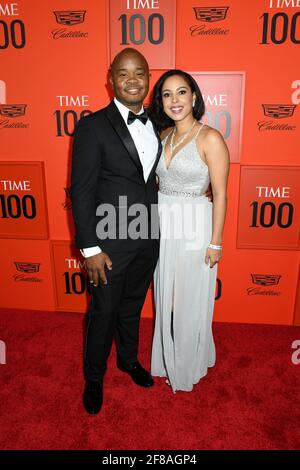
193,103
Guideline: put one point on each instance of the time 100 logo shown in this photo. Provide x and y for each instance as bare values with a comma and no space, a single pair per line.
279,28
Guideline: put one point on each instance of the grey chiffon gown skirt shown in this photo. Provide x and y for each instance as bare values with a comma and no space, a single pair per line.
184,285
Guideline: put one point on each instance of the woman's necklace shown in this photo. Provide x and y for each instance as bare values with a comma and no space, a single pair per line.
174,146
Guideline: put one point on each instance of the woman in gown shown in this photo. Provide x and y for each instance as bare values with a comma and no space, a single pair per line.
194,156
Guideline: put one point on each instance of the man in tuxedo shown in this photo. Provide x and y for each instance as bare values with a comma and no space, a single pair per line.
115,153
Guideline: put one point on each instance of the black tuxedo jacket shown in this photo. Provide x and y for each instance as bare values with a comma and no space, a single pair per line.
106,165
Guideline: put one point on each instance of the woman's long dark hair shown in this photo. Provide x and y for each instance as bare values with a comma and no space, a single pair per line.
156,110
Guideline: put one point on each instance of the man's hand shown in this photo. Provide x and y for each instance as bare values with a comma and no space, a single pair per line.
209,193
95,266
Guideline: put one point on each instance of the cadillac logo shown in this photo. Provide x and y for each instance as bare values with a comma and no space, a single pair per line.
12,110
211,14
25,267
69,18
266,279
279,111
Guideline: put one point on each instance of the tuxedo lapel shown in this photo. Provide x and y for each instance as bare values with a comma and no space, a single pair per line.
158,151
120,127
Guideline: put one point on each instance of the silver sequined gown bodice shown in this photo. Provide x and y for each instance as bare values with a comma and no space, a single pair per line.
187,172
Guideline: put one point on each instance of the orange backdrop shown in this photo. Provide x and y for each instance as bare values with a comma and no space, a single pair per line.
54,58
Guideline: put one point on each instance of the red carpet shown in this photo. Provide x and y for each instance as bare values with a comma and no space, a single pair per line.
250,400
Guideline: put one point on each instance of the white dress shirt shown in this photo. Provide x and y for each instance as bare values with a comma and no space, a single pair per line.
146,143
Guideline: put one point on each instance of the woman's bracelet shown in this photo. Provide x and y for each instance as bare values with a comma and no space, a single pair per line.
215,247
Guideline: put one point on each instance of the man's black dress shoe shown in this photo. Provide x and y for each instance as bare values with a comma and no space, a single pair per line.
139,375
93,397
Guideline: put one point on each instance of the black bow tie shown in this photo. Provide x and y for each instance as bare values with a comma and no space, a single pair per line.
132,117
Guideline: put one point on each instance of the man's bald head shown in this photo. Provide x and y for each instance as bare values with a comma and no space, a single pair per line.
128,53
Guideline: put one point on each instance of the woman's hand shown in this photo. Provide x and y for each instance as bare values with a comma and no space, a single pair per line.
212,256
